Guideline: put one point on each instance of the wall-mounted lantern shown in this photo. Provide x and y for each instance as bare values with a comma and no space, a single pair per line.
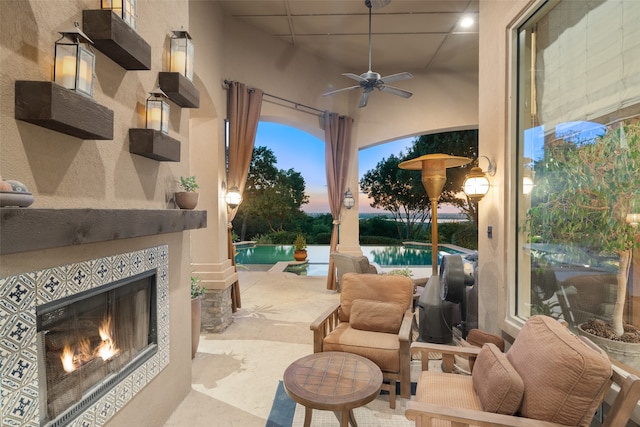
126,9
158,111
476,186
74,63
182,54
349,201
233,197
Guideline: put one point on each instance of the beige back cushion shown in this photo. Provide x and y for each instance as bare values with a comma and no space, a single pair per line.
497,384
376,316
375,287
564,379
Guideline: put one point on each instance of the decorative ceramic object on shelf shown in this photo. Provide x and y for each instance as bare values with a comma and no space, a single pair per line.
14,194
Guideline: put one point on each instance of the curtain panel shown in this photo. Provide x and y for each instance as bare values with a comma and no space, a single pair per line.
243,113
337,136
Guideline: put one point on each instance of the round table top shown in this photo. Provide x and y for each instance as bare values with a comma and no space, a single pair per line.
333,381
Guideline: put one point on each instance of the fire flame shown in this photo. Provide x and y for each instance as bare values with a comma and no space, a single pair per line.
107,348
72,359
67,359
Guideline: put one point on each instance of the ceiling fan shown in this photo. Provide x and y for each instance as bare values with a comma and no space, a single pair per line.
372,80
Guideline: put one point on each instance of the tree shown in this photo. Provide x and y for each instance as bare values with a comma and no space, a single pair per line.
582,194
398,191
271,195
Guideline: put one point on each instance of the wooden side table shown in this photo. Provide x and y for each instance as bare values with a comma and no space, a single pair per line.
332,381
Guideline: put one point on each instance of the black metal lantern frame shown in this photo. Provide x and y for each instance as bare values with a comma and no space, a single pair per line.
74,65
182,54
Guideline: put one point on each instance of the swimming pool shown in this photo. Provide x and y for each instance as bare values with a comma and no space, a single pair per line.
318,256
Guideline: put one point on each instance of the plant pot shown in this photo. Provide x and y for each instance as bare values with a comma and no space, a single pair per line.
625,352
196,309
300,255
186,200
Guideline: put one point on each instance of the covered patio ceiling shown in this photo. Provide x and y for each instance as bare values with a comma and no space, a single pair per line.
407,35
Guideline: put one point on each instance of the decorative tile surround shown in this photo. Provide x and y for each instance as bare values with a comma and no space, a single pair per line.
19,296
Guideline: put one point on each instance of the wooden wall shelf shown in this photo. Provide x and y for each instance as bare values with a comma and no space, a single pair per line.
113,37
154,145
54,107
179,89
27,229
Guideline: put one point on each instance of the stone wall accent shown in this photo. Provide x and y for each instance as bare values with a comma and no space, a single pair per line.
216,310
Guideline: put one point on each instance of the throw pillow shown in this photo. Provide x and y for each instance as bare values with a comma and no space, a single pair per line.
376,316
496,382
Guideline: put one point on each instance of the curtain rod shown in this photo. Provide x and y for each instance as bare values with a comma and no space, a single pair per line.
296,105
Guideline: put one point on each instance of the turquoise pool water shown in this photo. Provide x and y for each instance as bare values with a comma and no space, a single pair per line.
318,256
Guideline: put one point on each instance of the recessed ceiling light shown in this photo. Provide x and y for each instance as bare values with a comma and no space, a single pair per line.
466,21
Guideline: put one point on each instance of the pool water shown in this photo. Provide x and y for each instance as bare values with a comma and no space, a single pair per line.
318,256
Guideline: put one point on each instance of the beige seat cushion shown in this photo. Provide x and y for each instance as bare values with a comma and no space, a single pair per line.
375,287
376,316
564,379
449,390
496,382
381,348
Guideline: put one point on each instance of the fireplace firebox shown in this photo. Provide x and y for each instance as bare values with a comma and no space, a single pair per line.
90,341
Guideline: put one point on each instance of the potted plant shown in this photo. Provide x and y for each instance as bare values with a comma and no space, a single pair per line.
188,198
582,196
300,248
196,309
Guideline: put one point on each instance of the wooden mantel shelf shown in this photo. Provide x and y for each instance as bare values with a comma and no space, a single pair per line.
27,229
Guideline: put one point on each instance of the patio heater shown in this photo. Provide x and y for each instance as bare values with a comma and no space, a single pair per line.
434,175
435,315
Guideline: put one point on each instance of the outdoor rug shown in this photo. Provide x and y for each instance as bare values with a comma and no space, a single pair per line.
287,413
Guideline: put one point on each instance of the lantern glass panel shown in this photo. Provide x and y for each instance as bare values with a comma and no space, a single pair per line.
474,187
64,72
86,60
182,56
189,65
154,113
178,55
165,117
158,115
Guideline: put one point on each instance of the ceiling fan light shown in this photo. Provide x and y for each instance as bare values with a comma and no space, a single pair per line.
467,21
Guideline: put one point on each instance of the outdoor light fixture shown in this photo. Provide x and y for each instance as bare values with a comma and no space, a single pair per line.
158,111
434,175
233,197
476,185
126,9
349,201
182,54
74,63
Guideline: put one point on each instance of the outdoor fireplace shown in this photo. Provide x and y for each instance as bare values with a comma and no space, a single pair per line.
118,304
89,341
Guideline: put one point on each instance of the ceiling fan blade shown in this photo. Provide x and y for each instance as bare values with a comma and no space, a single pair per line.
396,77
396,91
364,99
354,77
341,90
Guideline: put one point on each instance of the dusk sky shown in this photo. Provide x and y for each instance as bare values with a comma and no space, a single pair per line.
304,153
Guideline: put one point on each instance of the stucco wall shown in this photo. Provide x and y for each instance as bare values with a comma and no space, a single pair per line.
66,172
496,141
